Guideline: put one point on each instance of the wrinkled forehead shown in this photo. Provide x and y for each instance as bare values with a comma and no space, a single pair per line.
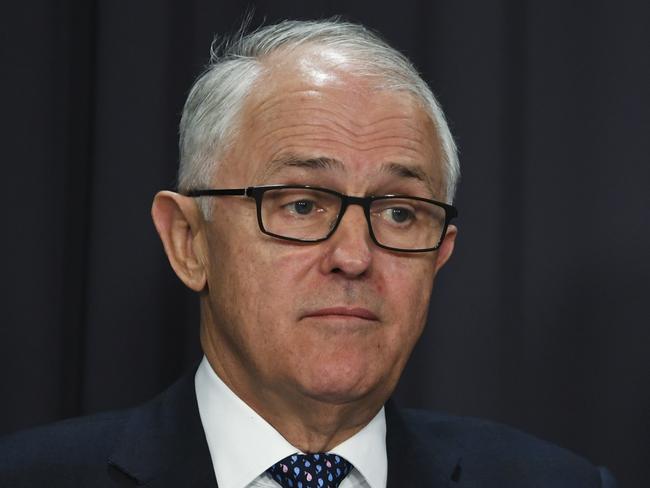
309,94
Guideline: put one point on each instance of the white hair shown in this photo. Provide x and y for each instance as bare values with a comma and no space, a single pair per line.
210,115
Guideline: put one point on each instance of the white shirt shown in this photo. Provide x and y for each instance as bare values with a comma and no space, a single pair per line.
243,445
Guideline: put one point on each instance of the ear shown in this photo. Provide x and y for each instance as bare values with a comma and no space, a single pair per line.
180,227
446,247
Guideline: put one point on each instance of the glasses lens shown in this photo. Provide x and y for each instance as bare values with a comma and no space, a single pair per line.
299,213
407,223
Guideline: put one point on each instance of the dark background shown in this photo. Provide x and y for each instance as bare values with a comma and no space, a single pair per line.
541,318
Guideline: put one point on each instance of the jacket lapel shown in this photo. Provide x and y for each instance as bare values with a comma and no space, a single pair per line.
163,443
416,458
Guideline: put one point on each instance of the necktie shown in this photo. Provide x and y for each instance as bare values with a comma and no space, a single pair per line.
310,471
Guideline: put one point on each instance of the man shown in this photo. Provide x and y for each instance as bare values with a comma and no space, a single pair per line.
312,216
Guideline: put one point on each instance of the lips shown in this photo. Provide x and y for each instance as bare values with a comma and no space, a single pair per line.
343,312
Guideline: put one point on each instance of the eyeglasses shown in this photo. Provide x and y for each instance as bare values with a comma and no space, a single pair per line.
310,214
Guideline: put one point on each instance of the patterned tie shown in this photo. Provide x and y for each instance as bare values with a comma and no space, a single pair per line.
310,471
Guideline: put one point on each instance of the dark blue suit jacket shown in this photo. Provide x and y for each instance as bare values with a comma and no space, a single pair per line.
162,444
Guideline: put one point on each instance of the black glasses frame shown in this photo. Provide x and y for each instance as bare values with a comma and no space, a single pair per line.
257,193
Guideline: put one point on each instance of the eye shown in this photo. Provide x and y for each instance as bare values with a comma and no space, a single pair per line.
398,215
300,207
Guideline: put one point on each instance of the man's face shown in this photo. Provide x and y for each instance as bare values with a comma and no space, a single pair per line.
337,320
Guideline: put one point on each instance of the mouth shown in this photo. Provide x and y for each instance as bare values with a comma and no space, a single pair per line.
343,313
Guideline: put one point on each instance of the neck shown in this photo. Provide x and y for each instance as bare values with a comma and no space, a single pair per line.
309,423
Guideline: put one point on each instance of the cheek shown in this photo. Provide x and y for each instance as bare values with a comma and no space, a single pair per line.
407,280
406,290
272,276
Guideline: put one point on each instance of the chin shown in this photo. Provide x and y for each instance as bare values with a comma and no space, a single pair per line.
336,396
342,385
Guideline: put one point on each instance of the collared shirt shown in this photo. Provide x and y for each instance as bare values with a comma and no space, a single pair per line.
243,445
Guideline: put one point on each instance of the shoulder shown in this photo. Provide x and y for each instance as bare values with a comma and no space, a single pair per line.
75,448
495,453
481,435
118,447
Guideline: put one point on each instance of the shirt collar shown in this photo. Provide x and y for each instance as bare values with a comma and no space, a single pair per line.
366,450
243,445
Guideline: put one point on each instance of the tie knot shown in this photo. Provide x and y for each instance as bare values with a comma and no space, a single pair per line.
310,471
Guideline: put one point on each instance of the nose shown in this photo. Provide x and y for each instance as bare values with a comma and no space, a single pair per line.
349,249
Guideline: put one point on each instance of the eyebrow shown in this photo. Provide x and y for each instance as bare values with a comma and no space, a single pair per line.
294,161
325,163
405,171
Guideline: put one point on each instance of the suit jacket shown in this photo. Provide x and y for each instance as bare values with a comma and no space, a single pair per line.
162,444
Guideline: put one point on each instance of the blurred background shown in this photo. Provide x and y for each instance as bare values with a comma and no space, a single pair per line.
539,321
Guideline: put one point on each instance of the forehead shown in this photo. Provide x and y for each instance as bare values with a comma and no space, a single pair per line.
309,107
